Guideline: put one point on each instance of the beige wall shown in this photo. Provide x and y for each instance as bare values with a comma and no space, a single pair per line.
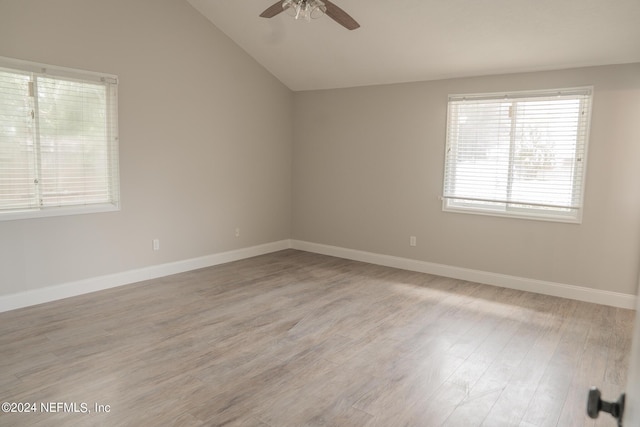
205,140
368,165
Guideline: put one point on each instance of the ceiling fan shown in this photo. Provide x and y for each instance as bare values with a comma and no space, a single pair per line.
311,9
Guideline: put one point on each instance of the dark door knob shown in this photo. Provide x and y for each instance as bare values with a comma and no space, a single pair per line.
595,404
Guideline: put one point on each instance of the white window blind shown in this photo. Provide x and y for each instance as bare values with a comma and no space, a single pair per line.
58,141
518,154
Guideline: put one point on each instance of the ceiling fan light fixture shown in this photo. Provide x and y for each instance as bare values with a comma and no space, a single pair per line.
291,7
304,9
318,9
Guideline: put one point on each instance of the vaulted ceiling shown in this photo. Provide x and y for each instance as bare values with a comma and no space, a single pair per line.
415,40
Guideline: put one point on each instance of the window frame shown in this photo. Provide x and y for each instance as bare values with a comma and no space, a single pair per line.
112,176
511,208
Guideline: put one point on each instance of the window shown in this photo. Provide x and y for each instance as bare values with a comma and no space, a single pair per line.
518,154
58,141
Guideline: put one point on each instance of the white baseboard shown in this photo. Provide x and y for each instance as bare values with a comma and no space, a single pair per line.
579,293
66,290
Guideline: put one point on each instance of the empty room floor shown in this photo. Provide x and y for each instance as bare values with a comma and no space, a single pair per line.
294,338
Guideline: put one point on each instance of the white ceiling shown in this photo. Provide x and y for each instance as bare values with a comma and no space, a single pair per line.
414,40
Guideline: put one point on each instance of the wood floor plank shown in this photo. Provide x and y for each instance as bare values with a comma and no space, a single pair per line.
294,338
549,397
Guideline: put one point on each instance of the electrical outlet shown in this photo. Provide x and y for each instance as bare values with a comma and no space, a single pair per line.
412,240
237,232
156,244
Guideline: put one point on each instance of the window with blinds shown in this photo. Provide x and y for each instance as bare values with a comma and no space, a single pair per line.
58,141
518,154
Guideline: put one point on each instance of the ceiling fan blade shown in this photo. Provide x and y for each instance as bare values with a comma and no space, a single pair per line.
272,10
340,16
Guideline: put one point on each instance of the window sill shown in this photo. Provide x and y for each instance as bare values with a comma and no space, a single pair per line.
570,219
59,211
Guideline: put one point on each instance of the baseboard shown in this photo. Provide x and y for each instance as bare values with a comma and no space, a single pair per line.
614,299
66,290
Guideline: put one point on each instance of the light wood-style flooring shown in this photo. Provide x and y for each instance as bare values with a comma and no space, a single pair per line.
300,339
